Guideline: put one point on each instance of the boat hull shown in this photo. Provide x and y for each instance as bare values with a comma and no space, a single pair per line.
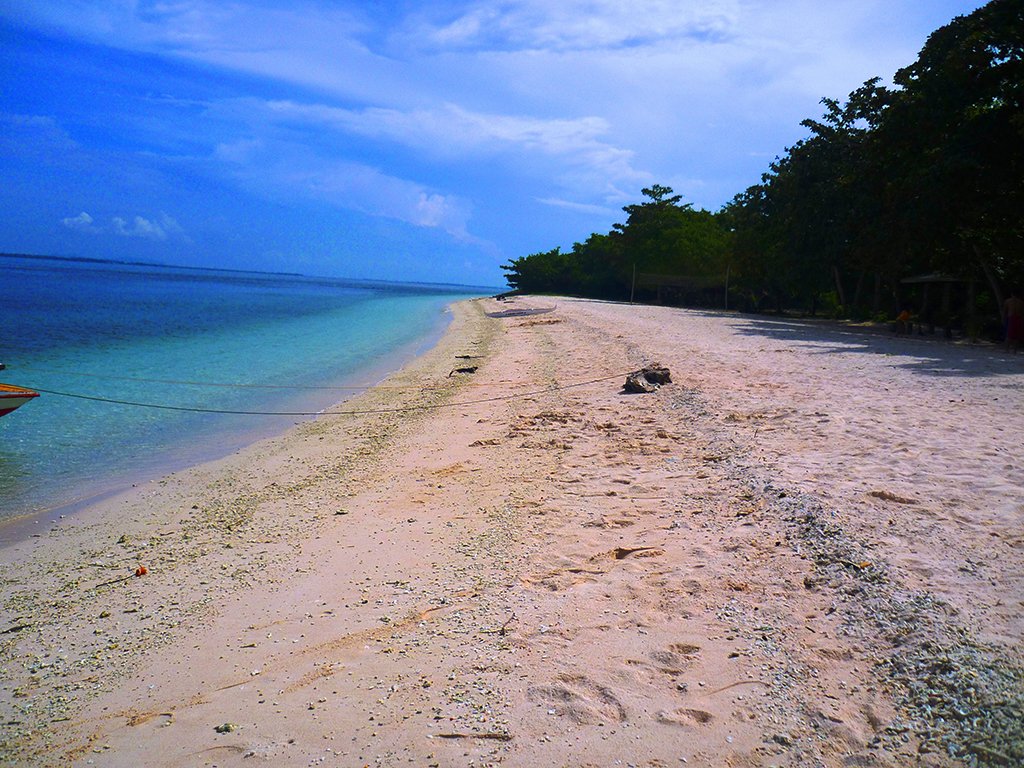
12,397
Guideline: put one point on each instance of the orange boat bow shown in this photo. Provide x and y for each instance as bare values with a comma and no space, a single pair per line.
12,397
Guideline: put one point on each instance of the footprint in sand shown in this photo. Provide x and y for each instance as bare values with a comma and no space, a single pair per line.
689,587
676,657
609,522
621,553
160,719
580,699
684,717
835,654
889,496
557,581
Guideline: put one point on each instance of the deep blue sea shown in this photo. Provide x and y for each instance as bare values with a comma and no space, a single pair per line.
138,333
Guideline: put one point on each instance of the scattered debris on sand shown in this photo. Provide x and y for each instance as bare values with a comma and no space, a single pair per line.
646,380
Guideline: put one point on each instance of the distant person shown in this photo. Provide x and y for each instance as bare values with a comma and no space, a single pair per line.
903,322
1014,310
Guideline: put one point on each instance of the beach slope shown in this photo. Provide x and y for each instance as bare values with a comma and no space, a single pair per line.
805,550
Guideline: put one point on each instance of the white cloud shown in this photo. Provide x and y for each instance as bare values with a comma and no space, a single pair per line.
582,24
583,158
171,227
161,228
576,103
585,208
286,169
433,210
308,42
142,227
191,25
367,189
83,222
376,55
450,128
35,138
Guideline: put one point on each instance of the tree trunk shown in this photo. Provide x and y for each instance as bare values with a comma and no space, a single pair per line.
947,320
972,324
926,311
993,282
728,268
857,291
839,287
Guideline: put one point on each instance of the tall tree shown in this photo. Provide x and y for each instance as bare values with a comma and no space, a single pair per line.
956,134
660,235
926,176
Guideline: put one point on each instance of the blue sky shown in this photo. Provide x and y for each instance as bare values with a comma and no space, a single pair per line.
401,140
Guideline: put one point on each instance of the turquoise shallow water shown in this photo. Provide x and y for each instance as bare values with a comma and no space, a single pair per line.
125,333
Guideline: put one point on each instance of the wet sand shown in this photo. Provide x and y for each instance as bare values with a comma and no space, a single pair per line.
807,550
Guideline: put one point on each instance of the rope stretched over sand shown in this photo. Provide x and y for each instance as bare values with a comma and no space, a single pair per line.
363,412
224,385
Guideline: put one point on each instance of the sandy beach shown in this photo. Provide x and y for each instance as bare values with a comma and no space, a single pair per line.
807,550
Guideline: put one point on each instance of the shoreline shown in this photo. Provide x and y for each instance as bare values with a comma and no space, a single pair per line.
179,457
40,601
783,558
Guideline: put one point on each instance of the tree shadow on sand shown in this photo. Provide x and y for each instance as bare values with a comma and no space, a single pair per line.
927,355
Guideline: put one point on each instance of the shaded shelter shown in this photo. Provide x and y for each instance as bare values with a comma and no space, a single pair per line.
937,309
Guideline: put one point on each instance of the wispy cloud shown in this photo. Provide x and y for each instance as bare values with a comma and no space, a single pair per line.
462,129
151,229
578,24
307,42
281,168
369,189
584,208
192,25
83,222
584,157
492,116
162,227
40,137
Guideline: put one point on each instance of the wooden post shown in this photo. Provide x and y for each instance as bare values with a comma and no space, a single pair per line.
632,288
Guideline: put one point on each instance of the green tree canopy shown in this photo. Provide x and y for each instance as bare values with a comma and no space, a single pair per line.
660,235
926,176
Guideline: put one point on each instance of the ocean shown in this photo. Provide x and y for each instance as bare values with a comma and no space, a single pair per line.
210,339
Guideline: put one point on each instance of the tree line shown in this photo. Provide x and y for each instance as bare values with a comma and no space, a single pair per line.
896,190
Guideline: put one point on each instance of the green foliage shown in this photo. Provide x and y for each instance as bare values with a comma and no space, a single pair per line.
660,236
925,177
547,272
922,178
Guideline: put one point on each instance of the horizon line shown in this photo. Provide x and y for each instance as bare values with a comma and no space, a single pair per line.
164,265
